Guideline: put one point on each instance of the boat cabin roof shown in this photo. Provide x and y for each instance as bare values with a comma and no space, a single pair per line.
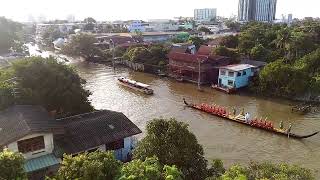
136,83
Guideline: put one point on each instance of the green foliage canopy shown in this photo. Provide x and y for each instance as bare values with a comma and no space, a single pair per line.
12,166
10,34
173,144
89,166
45,82
82,45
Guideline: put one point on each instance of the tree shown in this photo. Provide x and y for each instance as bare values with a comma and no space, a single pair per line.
259,53
236,172
9,34
89,20
89,166
265,170
137,169
11,166
53,85
6,95
197,41
173,144
204,29
51,34
82,45
233,25
216,170
90,24
158,55
172,173
230,41
223,51
281,79
138,54
268,170
149,169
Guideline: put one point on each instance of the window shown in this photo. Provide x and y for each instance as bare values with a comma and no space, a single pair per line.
31,145
115,145
222,73
230,83
244,73
239,74
231,74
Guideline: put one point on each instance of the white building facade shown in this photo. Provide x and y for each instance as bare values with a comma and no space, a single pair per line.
207,14
257,10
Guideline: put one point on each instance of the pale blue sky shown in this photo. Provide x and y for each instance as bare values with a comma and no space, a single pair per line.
22,10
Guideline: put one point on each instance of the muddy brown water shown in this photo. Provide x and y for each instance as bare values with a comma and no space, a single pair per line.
229,141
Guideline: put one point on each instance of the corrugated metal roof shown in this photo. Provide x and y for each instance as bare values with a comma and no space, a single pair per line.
21,120
90,130
41,163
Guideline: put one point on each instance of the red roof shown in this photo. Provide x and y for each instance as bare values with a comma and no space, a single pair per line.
128,44
204,50
118,40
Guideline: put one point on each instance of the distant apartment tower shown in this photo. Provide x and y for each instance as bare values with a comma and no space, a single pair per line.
257,10
290,18
207,14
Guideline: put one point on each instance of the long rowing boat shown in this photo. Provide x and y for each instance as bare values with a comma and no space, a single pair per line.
240,119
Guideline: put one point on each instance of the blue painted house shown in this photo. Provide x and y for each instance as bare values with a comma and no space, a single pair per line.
235,76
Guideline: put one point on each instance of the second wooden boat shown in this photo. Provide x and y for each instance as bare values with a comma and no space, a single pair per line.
222,113
145,88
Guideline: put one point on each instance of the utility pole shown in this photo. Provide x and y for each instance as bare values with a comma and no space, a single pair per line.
113,49
199,75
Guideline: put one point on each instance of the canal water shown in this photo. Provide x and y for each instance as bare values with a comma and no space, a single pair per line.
229,141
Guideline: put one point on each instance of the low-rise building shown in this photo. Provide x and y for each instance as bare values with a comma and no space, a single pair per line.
137,26
161,25
42,139
235,76
186,66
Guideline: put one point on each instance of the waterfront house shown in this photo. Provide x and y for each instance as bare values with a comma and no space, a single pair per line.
235,76
186,66
42,139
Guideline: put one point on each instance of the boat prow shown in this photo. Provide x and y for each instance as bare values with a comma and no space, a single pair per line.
227,116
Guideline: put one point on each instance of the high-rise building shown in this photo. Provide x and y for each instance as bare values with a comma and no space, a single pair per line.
205,14
257,10
290,18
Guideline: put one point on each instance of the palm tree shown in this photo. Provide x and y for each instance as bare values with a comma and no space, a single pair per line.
284,41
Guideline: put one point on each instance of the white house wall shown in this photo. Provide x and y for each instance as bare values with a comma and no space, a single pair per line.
48,142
